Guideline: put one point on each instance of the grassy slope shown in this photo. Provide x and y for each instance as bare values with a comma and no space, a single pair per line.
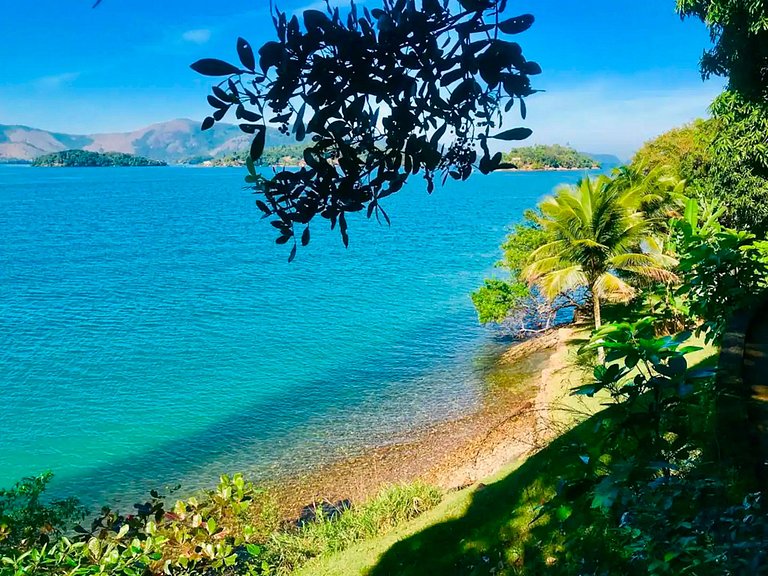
479,531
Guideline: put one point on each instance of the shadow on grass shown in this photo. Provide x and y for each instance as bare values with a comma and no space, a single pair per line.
496,535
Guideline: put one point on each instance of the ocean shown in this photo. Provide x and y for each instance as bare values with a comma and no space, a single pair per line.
153,334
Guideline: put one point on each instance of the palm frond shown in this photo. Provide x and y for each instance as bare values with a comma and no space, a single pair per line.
612,288
652,259
543,266
654,273
562,280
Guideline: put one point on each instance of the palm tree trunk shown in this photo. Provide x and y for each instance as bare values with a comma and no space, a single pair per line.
598,324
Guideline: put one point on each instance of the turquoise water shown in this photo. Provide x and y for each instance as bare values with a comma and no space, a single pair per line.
152,333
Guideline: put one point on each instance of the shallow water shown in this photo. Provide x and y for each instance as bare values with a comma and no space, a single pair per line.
152,333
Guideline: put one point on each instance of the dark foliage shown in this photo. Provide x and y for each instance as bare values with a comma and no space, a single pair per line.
739,31
383,94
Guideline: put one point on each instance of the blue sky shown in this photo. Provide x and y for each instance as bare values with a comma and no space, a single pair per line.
615,73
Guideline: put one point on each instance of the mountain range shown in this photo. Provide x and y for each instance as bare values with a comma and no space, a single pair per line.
173,141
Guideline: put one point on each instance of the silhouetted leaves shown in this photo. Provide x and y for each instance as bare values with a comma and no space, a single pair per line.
270,55
207,123
379,96
257,145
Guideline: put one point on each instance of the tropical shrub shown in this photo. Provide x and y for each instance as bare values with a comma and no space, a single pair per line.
724,158
26,520
722,269
739,32
684,151
512,303
649,480
213,534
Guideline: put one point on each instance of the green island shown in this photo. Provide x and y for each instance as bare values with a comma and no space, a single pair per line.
546,157
643,448
86,159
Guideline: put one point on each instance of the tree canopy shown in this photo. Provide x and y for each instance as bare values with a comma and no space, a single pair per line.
739,31
382,94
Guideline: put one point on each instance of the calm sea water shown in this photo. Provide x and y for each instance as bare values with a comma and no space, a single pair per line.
152,333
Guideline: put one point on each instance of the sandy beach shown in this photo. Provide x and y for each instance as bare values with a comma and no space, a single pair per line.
460,452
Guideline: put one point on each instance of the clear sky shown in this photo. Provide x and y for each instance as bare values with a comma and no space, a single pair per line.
615,73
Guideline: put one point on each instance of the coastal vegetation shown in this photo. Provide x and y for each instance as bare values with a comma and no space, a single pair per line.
543,157
233,529
582,246
86,159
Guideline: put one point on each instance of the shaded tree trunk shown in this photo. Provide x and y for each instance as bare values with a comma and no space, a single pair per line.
598,324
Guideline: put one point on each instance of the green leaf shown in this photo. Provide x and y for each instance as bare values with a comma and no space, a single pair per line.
564,512
253,549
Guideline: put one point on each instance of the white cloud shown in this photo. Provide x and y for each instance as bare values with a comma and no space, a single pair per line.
197,36
612,115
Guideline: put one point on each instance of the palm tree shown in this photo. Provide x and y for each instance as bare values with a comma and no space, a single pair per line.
595,234
658,193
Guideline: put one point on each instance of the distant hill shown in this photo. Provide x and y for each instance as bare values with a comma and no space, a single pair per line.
86,159
605,160
172,142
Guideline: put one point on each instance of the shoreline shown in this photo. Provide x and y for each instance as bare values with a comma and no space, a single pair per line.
456,453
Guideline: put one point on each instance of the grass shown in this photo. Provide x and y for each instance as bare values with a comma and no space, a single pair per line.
471,532
392,507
